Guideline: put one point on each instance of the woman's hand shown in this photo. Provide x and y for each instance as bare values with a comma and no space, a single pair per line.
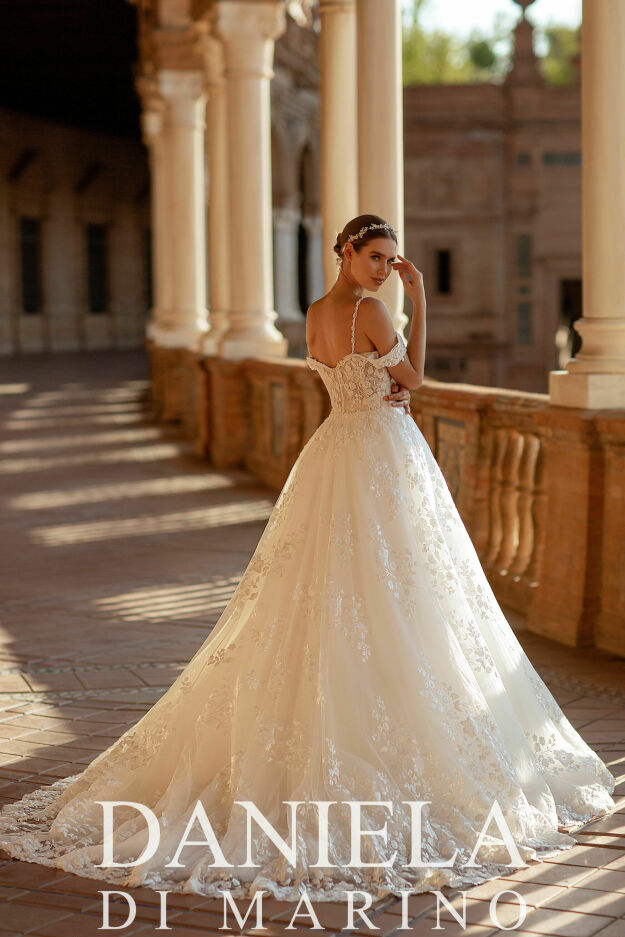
399,396
411,278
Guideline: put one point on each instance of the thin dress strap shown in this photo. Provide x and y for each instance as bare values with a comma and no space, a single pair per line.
354,323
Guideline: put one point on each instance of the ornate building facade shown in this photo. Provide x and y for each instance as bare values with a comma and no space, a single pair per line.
493,218
76,256
492,202
264,128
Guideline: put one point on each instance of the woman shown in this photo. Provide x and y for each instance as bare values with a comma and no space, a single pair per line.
362,658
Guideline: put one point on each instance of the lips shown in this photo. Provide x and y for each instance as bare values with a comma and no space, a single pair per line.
379,282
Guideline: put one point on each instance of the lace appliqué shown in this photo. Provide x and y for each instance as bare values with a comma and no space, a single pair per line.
360,380
363,656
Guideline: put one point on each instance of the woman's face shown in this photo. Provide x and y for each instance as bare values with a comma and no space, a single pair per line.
373,263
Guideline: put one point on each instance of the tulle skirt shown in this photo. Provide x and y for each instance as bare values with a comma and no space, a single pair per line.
362,658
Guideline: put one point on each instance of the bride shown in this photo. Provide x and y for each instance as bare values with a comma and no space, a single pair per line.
363,657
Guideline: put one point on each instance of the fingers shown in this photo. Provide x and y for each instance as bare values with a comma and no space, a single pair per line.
404,262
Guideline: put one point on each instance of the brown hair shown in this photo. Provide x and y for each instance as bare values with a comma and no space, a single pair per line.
354,226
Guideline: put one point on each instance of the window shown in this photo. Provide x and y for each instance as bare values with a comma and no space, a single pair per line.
30,264
524,323
524,255
443,271
97,267
572,158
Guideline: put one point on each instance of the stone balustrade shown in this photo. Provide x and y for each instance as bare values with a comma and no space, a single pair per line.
540,488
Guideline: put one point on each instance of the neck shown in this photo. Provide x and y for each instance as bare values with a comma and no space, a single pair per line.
346,287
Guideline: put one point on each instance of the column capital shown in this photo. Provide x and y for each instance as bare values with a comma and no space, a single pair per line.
286,218
248,28
211,50
151,126
313,225
152,108
185,93
147,90
175,49
173,83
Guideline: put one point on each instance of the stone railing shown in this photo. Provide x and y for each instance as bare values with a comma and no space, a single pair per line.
541,489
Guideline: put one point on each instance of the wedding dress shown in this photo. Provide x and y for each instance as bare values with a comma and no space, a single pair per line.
362,657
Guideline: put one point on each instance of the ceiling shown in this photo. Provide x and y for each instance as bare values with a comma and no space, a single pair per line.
71,61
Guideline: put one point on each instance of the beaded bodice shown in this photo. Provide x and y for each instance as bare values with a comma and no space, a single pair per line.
360,380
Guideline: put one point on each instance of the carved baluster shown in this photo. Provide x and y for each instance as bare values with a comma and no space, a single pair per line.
527,481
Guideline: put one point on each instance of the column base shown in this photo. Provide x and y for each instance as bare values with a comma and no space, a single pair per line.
290,315
188,338
588,391
211,338
209,344
253,347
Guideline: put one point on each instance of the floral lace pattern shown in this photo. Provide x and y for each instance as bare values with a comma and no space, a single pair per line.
360,380
363,656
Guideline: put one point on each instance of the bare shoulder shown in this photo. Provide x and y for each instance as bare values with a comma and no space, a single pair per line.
377,322
315,310
312,323
375,310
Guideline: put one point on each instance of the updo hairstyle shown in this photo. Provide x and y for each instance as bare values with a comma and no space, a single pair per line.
354,226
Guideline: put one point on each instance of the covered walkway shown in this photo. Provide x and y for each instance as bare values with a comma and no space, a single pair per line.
120,549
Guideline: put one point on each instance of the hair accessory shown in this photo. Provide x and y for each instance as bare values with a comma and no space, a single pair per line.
368,227
354,237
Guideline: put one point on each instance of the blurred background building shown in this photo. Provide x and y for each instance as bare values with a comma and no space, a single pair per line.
492,193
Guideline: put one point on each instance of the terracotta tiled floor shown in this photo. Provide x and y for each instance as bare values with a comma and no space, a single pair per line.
120,549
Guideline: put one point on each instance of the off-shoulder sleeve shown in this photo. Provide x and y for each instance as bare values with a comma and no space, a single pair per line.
392,357
312,364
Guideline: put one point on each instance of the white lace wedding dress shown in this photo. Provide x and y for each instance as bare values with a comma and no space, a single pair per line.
363,656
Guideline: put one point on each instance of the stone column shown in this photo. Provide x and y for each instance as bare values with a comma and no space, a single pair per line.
184,320
595,378
314,257
248,30
152,134
339,157
218,213
286,230
380,128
